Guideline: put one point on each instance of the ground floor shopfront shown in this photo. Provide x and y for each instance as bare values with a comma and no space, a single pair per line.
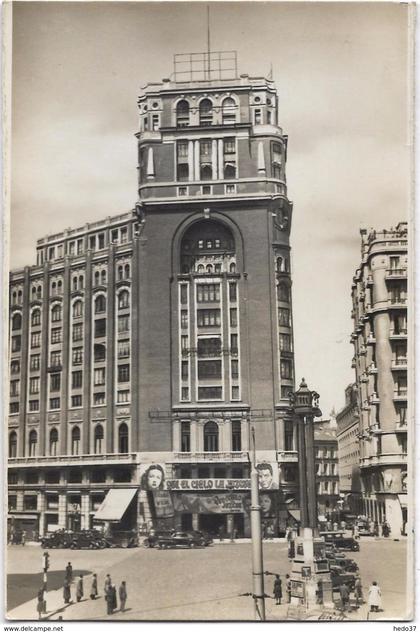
391,508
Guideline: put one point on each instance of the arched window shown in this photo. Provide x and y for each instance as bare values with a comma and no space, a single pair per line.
232,268
279,264
200,269
211,437
120,273
123,299
97,277
33,440
99,438
206,112
14,297
17,321
74,284
230,172
12,445
36,317
123,439
81,282
209,268
228,111
206,172
182,114
127,271
75,440
33,292
77,309
20,297
53,442
53,288
56,313
103,277
60,287
39,292
100,304
283,293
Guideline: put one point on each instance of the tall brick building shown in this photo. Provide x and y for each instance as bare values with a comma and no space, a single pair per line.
158,337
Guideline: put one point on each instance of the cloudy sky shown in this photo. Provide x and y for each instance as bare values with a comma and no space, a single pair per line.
342,76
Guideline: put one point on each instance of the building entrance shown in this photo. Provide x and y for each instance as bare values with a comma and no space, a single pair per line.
211,523
186,522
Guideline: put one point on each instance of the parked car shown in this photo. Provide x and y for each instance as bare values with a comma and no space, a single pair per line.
180,539
340,541
331,551
60,539
345,564
89,539
205,536
152,539
339,577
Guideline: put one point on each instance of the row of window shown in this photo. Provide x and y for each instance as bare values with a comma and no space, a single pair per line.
76,247
228,107
211,436
54,403
75,441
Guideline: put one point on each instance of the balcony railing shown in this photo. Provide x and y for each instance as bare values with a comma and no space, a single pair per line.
201,457
69,459
396,272
286,456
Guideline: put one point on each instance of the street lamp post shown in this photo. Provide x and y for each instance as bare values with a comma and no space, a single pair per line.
256,539
311,580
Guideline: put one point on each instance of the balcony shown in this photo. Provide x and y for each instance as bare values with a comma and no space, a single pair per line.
399,364
396,273
286,456
210,457
383,459
67,459
399,334
397,302
400,395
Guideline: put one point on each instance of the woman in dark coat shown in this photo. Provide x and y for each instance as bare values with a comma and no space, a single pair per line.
111,599
69,572
94,587
66,591
277,592
123,595
79,589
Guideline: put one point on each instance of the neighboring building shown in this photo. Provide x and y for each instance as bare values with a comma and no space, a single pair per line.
157,337
326,467
349,451
379,295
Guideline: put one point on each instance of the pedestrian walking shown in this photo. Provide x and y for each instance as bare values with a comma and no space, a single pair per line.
277,591
122,591
111,599
385,529
319,593
376,530
107,584
79,588
94,587
40,603
288,588
355,532
358,591
23,538
66,591
344,597
221,533
69,572
374,597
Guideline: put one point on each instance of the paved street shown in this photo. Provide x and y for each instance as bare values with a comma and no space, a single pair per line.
202,584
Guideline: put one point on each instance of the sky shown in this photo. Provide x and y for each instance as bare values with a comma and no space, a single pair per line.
341,71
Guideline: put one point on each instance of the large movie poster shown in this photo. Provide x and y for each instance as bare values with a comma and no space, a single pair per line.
268,475
163,504
209,503
152,476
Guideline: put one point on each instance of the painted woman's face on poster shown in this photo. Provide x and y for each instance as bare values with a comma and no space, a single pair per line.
152,477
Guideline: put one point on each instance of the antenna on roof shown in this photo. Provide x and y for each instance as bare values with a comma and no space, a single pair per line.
208,41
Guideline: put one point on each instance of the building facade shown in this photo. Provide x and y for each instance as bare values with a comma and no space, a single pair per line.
326,469
349,451
144,347
379,295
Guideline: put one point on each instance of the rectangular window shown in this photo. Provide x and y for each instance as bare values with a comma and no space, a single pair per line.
208,318
233,318
209,369
182,149
209,392
14,408
234,369
184,319
100,328
124,373
55,382
55,358
33,405
92,242
185,436
123,397
183,294
54,403
276,153
268,117
77,379
77,356
285,342
206,189
51,253
257,117
208,293
230,188
15,387
77,332
182,172
124,349
234,343
99,377
79,246
15,366
56,335
209,347
34,385
56,314
288,436
276,169
72,246
155,122
35,341
286,369
229,146
205,148
185,393
123,324
101,241
98,399
114,236
284,317
182,191
76,401
232,292
235,392
184,370
124,235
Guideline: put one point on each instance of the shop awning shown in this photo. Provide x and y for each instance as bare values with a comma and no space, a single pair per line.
115,504
295,513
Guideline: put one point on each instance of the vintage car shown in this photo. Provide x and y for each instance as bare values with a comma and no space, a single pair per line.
339,577
152,539
208,540
340,541
344,563
182,539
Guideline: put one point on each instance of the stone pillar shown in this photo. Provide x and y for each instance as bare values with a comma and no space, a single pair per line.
200,436
194,439
41,503
176,435
214,159
85,510
190,160
244,435
227,436
221,159
62,511
196,160
19,501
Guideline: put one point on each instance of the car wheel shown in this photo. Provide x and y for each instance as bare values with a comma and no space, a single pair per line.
192,545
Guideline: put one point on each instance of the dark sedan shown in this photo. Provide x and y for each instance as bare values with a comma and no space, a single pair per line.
180,539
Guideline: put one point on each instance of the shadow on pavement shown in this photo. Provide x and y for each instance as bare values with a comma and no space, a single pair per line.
22,587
